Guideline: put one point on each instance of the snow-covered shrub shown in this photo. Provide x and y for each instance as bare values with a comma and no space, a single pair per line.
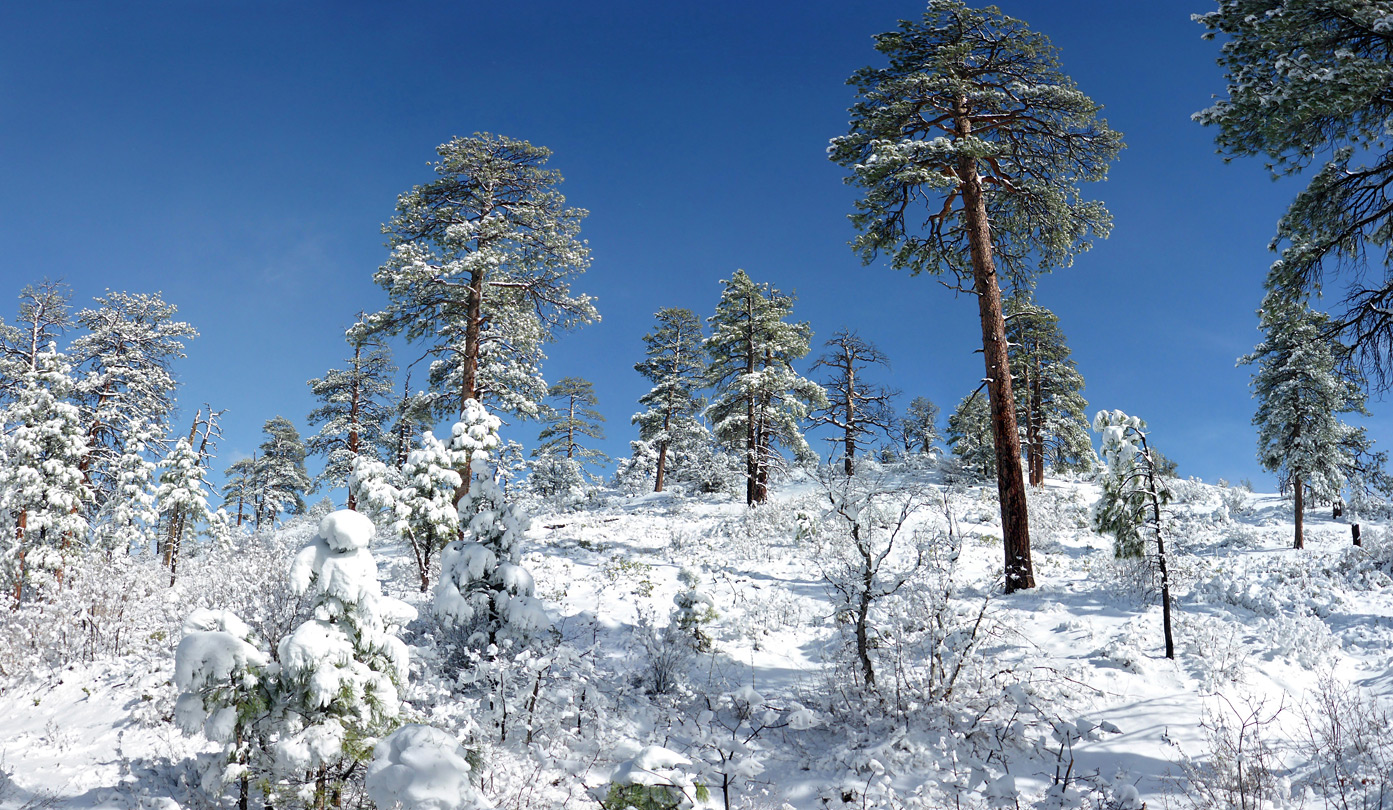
635,475
419,767
726,738
655,779
483,586
1245,767
556,480
1348,743
340,670
693,610
222,673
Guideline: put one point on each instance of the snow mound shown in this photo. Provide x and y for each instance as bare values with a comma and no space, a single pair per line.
346,530
419,767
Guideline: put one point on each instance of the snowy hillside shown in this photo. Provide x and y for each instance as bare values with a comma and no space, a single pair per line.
1054,697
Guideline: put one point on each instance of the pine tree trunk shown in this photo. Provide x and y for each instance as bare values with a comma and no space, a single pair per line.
1300,513
849,439
353,409
20,537
1010,482
1154,495
1035,427
662,465
751,445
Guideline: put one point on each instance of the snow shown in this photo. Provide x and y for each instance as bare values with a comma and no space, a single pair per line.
346,530
419,767
1076,662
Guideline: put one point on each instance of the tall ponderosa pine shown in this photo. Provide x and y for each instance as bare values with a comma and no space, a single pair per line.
856,408
240,490
1301,392
43,318
760,402
919,426
127,383
354,418
280,471
676,366
183,499
570,420
974,119
42,490
970,435
1307,78
1050,408
480,271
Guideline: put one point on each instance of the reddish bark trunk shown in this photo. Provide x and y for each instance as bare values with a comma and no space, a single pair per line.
1010,482
1300,514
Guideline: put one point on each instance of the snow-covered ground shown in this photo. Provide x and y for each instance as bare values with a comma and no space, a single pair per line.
1059,696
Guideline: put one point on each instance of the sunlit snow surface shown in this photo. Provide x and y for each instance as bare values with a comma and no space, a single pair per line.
1255,621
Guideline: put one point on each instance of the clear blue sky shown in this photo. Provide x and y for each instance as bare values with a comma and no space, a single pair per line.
240,157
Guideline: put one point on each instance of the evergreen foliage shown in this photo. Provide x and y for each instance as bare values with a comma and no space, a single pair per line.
480,272
1050,407
1306,78
919,426
676,366
1301,392
43,318
570,419
973,118
970,435
280,471
42,490
353,419
760,401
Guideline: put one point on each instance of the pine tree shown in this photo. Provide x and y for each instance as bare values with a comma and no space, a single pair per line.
970,435
571,420
1304,79
353,419
856,409
240,489
973,110
42,491
43,318
1135,495
183,499
483,584
425,501
1301,392
129,518
281,480
919,427
480,271
126,378
342,670
676,365
1049,403
760,401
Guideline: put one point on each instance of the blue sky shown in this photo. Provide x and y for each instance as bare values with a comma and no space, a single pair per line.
240,157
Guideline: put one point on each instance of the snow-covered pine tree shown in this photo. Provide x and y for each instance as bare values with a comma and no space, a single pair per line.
182,497
42,491
760,401
974,117
1301,392
225,687
919,426
480,271
126,380
281,479
354,415
410,418
43,318
1049,399
1305,79
856,409
483,586
970,435
570,419
676,366
342,670
239,490
424,504
129,519
1135,495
